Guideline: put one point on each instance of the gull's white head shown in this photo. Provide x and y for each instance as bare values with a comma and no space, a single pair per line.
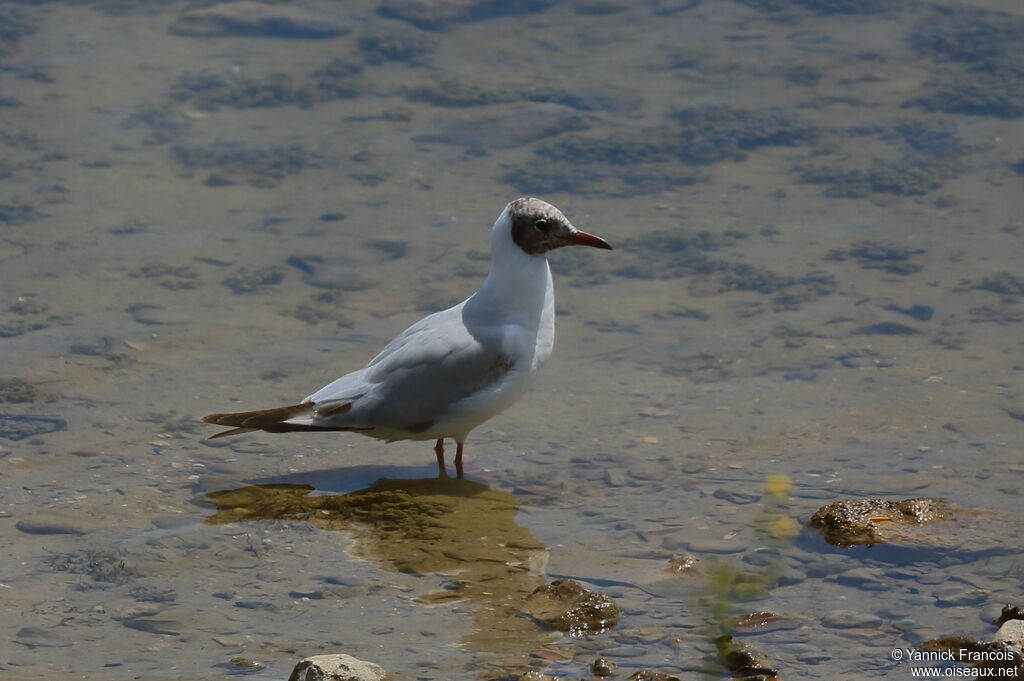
537,227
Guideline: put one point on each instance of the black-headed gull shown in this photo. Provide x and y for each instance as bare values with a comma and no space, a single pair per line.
449,372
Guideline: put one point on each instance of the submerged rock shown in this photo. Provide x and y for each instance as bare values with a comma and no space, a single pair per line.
742,661
1009,612
338,667
647,675
683,565
602,667
568,606
865,522
245,18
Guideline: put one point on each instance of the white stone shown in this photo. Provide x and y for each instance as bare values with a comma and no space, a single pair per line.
337,668
1012,634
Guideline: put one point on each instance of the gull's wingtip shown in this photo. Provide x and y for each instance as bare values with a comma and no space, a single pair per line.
233,431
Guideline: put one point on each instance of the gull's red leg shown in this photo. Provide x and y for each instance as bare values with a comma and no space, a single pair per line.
442,472
458,460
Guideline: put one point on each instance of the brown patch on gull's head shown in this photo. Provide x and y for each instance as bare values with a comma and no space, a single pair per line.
539,227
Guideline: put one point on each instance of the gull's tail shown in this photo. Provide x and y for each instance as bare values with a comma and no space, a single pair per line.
278,420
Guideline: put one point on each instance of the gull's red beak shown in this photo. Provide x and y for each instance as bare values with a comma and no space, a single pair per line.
583,239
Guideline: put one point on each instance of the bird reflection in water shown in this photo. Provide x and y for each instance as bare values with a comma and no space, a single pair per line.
460,529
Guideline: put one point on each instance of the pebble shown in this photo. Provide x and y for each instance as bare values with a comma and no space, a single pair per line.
47,523
324,592
805,652
173,522
863,578
41,637
850,619
92,349
227,641
647,471
615,478
338,667
951,596
150,626
932,578
340,276
821,568
155,315
655,413
735,497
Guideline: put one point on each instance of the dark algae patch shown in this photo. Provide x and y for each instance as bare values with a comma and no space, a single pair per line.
234,162
618,148
18,427
456,93
827,6
988,48
440,15
211,91
872,255
906,177
618,163
1003,283
886,329
15,390
719,133
411,47
14,26
108,567
252,279
549,178
326,306
679,254
660,158
17,212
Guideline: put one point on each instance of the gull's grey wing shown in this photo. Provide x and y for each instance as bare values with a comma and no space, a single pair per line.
413,381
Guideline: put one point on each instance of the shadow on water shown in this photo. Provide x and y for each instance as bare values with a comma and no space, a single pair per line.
460,529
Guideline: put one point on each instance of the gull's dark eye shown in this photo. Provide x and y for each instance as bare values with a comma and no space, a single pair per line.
543,226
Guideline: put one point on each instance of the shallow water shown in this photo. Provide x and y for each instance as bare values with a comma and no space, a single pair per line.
820,281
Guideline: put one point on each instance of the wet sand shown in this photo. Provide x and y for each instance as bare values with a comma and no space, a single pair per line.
835,298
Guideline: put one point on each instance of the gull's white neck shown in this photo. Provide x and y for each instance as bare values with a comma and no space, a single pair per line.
518,289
